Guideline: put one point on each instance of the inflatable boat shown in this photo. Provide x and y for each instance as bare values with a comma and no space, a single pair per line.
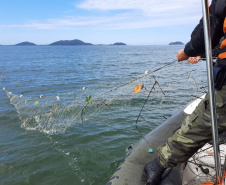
131,169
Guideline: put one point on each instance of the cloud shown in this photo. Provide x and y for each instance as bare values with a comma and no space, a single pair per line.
147,13
65,23
175,11
134,14
148,7
119,21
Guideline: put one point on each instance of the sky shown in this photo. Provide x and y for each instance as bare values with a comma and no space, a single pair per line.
134,22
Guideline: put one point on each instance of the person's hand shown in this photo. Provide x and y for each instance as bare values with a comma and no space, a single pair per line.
194,60
181,56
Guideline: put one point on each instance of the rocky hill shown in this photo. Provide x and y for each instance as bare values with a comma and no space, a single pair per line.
69,43
176,43
25,44
119,44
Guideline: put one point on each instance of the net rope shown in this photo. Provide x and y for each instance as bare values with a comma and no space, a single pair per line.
95,104
201,166
55,113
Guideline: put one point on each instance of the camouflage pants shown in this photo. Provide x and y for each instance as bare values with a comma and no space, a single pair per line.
194,132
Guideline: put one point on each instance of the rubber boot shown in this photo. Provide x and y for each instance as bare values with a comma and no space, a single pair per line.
154,171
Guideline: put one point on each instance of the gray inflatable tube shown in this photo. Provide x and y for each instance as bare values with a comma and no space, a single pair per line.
130,171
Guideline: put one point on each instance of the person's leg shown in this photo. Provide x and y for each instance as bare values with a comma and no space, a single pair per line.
193,134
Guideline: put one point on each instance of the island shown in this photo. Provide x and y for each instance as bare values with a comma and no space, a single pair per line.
118,44
74,42
176,43
25,44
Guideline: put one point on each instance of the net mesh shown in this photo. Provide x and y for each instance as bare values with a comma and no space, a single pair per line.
200,167
55,113
95,104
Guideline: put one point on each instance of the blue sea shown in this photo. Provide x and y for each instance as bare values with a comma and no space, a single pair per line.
86,153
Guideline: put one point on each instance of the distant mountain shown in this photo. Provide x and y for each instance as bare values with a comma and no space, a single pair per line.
119,44
69,43
74,42
25,44
176,43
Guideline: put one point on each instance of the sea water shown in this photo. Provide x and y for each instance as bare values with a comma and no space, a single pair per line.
84,154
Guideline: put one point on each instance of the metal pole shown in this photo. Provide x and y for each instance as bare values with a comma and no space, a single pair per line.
209,63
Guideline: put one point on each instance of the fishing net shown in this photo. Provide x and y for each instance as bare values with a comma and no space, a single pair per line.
148,92
200,168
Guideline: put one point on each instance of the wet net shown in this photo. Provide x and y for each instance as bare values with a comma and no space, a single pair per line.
200,168
148,95
55,113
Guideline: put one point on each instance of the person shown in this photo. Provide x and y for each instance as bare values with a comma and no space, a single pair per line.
196,128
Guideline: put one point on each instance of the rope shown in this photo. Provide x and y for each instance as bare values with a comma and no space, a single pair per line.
148,73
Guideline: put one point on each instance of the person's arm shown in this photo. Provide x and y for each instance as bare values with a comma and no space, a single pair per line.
181,55
215,53
196,46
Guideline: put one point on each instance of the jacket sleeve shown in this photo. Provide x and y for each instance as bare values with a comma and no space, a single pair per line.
215,51
196,46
